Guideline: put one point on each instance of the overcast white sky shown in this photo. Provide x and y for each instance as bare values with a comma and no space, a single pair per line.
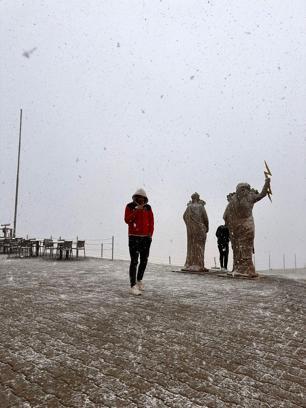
173,96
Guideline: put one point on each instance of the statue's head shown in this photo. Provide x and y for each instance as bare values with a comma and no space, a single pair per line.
242,190
195,197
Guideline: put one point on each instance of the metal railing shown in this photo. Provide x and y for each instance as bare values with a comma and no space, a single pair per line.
101,247
108,245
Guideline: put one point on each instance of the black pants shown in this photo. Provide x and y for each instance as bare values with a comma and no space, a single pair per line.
138,246
223,250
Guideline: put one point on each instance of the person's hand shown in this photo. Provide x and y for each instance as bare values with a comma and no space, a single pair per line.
139,207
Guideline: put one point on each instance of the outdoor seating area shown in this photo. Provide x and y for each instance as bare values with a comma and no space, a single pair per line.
25,247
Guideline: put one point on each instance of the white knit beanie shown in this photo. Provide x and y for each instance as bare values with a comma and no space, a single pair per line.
140,192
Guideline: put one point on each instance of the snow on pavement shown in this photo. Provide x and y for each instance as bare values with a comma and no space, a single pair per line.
72,336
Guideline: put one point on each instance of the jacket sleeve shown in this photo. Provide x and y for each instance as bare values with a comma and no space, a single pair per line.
151,223
129,215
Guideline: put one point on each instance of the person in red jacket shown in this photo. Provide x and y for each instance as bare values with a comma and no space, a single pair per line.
139,217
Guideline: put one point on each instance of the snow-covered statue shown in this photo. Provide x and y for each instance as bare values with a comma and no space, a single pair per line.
238,217
197,225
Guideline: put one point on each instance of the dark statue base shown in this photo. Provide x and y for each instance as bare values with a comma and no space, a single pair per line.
237,275
195,270
188,271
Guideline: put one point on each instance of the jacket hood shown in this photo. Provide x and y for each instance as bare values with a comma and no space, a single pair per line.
140,192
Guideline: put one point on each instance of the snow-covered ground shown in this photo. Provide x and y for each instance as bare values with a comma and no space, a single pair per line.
299,273
72,336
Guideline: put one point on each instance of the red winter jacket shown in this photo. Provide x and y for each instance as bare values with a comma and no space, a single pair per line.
140,222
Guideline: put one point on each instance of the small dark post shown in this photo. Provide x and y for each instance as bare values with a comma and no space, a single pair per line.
102,250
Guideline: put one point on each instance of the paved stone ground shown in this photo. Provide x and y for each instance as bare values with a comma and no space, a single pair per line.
72,336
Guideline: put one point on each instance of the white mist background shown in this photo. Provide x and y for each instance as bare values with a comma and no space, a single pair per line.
171,96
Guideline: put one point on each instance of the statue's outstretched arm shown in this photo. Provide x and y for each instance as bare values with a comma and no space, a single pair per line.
264,191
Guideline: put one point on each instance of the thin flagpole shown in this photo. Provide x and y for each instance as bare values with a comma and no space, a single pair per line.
17,176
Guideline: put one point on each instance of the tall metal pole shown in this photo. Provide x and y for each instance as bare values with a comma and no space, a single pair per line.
17,177
113,244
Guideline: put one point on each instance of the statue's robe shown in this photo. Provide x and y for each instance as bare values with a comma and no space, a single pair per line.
197,225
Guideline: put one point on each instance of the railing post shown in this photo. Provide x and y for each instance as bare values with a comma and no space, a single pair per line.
169,260
102,250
